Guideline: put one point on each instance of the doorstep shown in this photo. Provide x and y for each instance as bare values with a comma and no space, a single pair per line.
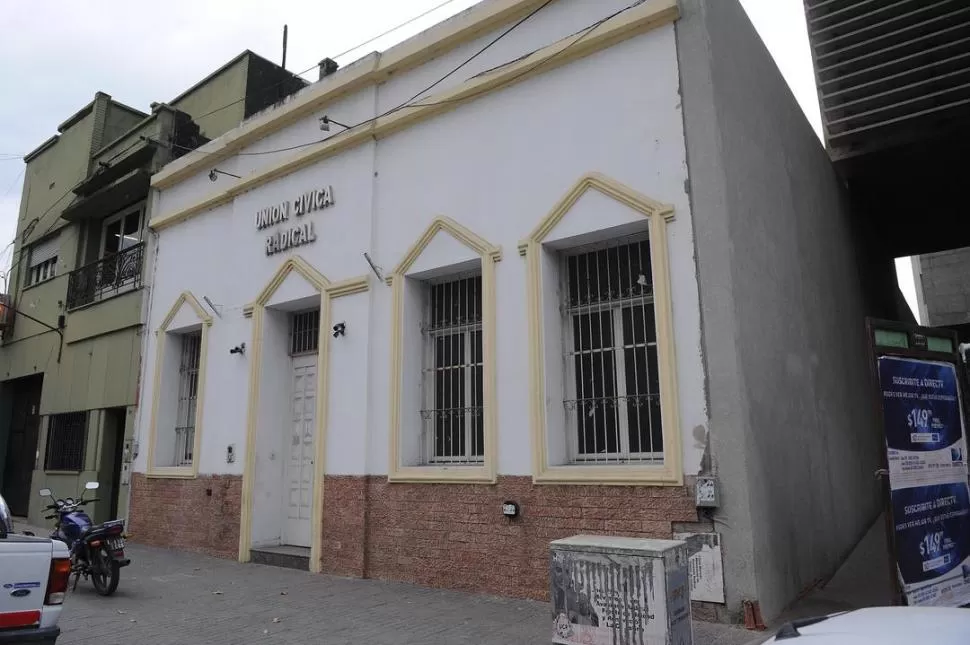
286,556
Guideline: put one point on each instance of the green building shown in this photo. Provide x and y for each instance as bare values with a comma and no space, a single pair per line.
72,318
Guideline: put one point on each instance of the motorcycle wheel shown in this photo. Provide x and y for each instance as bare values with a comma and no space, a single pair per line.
106,576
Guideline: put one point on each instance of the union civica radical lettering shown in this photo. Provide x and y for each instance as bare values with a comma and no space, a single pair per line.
300,234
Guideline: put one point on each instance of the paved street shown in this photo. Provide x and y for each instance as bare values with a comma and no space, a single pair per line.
175,597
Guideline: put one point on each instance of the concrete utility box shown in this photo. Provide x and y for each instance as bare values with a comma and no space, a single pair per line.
619,591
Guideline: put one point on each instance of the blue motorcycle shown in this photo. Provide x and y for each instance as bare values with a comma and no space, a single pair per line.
98,551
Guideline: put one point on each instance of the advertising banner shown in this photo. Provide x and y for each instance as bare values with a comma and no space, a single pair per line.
924,428
932,525
926,453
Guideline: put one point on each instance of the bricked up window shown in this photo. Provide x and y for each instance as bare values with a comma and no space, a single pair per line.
66,441
452,380
611,376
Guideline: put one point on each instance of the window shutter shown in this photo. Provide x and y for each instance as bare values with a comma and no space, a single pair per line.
44,250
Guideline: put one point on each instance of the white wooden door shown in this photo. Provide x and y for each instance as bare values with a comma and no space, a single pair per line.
298,483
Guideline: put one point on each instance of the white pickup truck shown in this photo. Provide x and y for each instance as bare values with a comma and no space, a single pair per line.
34,572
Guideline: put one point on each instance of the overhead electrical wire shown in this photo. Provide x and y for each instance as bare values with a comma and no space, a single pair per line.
583,33
343,53
11,156
406,103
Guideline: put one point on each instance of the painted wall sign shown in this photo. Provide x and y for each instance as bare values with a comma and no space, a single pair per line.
930,497
292,236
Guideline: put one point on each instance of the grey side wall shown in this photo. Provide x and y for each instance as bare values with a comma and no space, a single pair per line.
793,440
945,277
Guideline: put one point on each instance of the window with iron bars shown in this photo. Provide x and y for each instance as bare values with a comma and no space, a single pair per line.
188,392
305,332
612,383
453,429
66,441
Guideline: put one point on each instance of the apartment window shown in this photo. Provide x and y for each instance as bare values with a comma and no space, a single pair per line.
611,376
452,372
42,263
66,441
120,232
305,332
188,392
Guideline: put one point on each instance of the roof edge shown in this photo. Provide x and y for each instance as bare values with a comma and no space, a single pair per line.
30,156
409,54
220,70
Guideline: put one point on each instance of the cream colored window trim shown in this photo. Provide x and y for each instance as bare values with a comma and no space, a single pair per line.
658,215
185,298
255,310
489,254
165,472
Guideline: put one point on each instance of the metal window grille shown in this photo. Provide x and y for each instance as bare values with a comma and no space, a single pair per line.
66,441
188,397
305,332
453,429
612,381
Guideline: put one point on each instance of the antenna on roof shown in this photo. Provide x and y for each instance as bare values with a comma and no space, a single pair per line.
284,47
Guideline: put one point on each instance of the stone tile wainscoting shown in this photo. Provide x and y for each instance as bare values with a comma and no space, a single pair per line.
200,514
455,536
438,535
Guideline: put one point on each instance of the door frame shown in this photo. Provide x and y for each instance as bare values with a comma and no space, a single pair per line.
256,311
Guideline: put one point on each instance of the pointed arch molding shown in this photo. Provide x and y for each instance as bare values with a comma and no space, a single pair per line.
255,310
489,254
609,187
185,299
658,215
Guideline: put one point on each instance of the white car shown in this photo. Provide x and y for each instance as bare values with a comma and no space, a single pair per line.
34,572
880,626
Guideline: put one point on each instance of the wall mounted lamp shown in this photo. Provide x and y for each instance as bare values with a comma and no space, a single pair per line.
238,349
339,329
215,172
325,122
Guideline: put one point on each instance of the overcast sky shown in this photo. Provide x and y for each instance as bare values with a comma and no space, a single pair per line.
155,52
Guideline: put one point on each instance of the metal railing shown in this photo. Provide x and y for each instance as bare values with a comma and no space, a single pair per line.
107,277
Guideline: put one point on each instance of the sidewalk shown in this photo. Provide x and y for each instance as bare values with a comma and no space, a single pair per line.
176,597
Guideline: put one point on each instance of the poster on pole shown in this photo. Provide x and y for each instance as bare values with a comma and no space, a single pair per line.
930,497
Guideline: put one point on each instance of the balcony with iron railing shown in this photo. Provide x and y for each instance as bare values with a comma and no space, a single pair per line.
110,276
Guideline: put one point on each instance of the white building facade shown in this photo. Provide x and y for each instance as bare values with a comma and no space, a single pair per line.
484,291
